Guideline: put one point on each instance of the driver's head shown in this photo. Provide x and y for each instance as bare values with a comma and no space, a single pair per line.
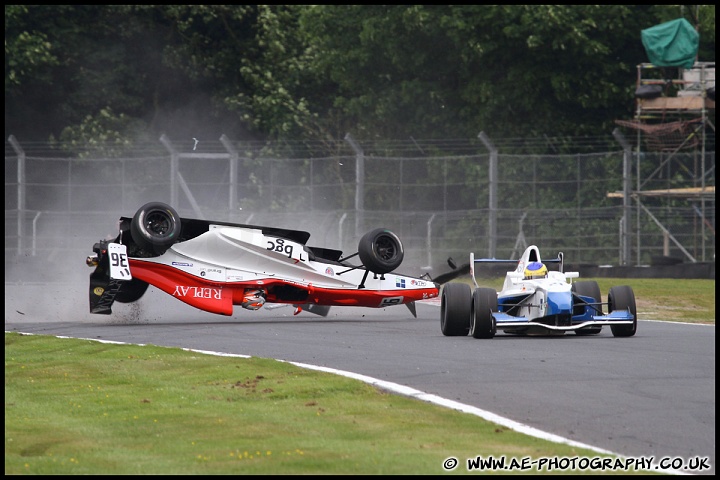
535,270
253,299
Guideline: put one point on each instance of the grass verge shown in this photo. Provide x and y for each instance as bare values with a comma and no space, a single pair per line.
82,407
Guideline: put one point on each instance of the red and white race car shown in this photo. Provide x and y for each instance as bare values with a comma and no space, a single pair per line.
214,266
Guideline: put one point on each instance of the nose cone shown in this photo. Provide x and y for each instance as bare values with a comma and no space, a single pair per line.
559,302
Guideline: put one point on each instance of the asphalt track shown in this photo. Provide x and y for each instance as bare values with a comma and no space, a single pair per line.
651,395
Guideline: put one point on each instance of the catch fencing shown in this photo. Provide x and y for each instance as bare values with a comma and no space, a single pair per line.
594,207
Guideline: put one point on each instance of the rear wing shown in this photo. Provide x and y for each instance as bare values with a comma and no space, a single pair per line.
473,261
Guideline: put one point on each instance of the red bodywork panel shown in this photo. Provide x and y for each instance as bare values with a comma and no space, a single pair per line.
219,297
212,297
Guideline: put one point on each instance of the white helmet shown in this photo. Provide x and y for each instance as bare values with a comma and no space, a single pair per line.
253,298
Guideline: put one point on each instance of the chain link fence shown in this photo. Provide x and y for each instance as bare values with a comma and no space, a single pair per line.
441,206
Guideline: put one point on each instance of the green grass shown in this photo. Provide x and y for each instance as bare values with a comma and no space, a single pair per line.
82,407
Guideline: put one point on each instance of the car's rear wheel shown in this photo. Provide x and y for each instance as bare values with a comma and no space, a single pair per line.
131,291
482,322
623,298
381,251
590,289
455,307
155,227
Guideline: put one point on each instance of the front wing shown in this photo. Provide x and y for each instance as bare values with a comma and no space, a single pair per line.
617,317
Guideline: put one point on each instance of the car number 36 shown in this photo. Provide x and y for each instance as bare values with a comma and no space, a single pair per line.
117,254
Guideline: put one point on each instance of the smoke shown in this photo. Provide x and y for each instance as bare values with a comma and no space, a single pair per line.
46,275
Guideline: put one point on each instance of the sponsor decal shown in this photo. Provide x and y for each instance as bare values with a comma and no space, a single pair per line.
182,264
108,297
399,282
206,271
386,302
329,271
98,291
198,292
286,247
419,283
217,274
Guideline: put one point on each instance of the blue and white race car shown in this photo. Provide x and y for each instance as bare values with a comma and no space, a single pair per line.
535,301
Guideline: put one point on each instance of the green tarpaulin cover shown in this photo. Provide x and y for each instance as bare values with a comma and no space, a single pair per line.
671,44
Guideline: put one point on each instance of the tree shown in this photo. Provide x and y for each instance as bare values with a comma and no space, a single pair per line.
65,64
453,71
254,58
313,73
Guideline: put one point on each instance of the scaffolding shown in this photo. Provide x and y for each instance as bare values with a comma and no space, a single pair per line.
676,116
674,108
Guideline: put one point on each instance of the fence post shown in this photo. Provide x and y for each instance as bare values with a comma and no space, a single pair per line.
429,242
21,190
492,200
232,202
359,183
627,178
173,170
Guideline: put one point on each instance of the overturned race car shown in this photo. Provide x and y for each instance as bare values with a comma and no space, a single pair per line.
214,266
535,301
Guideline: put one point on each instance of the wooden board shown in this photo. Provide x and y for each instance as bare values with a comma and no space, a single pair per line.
692,192
676,103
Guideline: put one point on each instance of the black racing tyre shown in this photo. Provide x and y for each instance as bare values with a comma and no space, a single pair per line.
381,251
591,289
623,298
155,227
455,309
131,291
482,322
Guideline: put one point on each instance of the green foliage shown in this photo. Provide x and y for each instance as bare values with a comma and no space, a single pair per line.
105,135
28,54
313,73
449,71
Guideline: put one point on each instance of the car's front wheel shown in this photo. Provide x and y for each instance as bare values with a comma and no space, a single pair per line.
455,309
482,321
623,298
590,289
